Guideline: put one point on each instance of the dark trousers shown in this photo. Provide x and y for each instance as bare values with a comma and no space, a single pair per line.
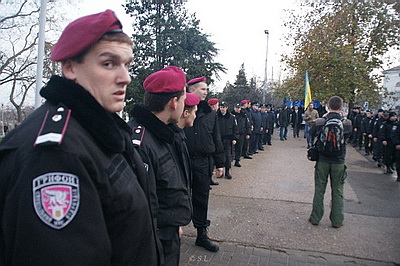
357,139
268,135
283,133
367,144
398,163
389,154
245,149
255,138
378,150
296,130
261,140
171,247
202,172
239,147
264,137
228,153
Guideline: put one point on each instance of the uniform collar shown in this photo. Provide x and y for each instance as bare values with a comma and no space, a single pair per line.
159,129
102,125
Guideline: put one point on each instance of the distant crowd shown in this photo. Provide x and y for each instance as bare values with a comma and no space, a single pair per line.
250,126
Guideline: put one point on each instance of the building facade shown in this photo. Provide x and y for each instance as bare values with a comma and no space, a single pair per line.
392,84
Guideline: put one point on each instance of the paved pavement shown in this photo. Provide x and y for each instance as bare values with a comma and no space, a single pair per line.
260,217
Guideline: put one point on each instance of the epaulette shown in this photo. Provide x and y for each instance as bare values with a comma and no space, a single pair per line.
137,135
53,127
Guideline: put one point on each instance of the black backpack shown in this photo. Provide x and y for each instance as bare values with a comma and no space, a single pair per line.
331,138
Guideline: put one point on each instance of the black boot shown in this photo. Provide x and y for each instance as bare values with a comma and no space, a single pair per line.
213,183
237,164
388,169
227,174
203,241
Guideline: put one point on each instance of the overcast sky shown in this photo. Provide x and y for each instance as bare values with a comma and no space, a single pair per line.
237,28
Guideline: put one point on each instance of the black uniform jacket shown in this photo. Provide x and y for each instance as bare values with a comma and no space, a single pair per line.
75,200
395,134
204,137
243,123
385,132
376,126
366,125
165,157
256,120
270,120
228,126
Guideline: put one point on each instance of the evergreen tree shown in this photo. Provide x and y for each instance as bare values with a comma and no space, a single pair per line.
165,34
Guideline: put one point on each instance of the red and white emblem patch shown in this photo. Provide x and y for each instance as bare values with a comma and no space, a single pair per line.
56,198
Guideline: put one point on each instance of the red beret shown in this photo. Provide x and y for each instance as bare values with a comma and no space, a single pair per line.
191,99
82,33
212,101
196,80
243,102
168,80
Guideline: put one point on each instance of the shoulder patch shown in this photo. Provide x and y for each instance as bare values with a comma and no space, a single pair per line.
137,135
56,198
53,127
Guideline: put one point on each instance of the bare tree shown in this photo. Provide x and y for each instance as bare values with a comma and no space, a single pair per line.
19,35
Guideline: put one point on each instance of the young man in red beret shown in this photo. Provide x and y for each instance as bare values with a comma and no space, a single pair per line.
157,119
229,134
205,149
189,111
214,104
72,186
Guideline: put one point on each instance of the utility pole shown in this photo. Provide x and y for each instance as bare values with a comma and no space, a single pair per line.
39,69
2,121
266,69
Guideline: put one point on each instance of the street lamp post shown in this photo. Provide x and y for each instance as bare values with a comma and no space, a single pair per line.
2,121
39,71
266,69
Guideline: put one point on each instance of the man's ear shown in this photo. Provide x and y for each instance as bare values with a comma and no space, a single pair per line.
185,113
173,103
68,69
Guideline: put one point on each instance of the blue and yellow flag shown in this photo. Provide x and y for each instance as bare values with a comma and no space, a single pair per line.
307,93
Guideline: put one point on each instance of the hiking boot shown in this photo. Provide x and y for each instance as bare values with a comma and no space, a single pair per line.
213,183
313,222
202,240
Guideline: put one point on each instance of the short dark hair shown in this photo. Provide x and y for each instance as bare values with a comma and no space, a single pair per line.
335,103
156,102
189,108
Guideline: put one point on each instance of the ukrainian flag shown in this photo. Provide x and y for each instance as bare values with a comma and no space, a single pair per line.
307,93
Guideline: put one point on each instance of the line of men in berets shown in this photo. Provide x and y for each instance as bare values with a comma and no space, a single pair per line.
379,135
244,130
